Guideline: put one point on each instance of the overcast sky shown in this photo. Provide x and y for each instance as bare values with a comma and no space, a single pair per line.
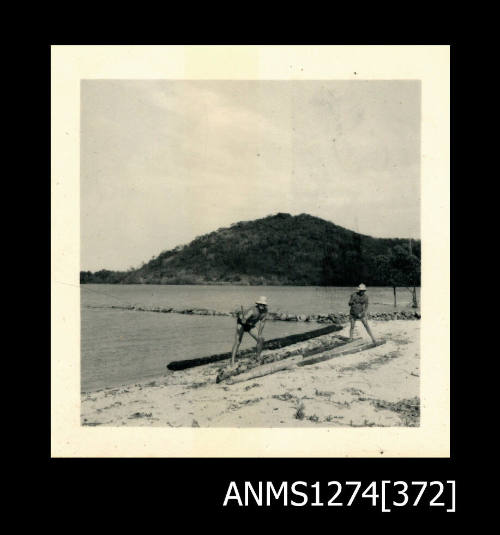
165,161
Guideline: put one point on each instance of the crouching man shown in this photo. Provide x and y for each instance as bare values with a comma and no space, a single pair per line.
246,322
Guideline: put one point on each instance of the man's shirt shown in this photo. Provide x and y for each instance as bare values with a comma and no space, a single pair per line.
358,304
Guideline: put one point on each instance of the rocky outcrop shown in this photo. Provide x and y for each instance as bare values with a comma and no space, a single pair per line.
376,316
333,317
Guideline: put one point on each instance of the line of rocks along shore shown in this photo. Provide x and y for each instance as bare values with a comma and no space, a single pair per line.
273,316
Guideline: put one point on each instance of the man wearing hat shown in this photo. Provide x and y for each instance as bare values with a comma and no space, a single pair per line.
247,321
359,305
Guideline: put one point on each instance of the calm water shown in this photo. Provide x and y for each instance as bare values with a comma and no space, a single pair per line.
122,346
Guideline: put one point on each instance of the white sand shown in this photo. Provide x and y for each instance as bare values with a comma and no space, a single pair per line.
355,390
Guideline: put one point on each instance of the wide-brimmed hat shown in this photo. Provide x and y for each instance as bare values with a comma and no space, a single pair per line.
262,300
361,287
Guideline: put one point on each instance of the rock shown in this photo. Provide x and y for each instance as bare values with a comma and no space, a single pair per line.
140,415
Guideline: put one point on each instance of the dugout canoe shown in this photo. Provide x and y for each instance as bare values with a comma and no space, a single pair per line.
276,343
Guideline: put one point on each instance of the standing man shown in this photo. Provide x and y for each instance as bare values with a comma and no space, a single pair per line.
359,305
246,322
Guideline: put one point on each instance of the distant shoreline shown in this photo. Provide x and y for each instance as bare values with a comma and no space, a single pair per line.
267,283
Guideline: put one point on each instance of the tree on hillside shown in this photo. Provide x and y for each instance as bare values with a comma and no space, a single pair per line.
400,268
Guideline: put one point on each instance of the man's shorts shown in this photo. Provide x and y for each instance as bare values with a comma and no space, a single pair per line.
353,317
246,326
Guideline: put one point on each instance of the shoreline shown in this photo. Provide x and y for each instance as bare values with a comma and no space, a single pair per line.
377,387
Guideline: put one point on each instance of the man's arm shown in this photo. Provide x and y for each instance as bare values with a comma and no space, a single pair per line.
245,314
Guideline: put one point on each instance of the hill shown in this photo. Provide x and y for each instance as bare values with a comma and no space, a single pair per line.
276,250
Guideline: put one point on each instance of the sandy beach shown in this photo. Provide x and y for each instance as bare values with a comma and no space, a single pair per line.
376,387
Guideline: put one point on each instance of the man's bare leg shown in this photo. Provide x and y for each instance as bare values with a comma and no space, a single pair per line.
237,341
368,330
351,332
260,343
260,346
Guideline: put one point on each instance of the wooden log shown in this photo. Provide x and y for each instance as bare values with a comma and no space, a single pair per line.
320,346
265,369
348,349
289,363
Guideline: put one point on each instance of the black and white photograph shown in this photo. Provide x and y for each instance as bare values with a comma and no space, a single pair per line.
251,253
272,234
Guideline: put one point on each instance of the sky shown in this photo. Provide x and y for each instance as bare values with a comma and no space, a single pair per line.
163,162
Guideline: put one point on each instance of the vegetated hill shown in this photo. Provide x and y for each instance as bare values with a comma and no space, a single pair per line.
277,250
